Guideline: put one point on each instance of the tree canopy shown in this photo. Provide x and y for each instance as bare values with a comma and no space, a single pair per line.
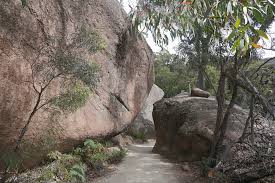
230,29
240,24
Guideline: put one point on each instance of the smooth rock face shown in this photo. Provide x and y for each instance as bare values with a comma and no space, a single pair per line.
196,92
144,123
126,65
185,126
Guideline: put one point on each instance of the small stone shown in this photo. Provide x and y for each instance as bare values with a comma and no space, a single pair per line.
196,92
112,149
185,168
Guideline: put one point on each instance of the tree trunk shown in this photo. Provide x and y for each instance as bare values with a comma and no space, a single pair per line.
220,99
227,115
222,120
200,80
24,130
251,110
252,127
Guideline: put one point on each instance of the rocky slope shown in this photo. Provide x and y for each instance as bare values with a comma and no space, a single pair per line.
126,70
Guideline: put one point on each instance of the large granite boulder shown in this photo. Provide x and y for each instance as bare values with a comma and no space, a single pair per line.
184,126
144,124
126,70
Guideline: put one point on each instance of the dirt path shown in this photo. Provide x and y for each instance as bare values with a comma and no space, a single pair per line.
142,166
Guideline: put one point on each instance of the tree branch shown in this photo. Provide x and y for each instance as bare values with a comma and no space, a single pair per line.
44,104
257,70
33,85
247,85
249,118
270,49
49,82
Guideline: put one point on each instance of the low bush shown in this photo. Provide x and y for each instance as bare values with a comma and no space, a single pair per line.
139,136
72,167
78,172
98,160
96,155
116,156
64,168
209,171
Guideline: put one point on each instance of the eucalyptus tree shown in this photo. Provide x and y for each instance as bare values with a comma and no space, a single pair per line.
173,74
235,28
196,49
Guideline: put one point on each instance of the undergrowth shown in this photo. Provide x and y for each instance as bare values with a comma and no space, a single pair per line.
139,136
209,171
72,167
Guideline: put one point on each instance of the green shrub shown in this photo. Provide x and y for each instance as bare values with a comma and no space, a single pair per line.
97,160
73,99
11,160
208,170
97,155
94,153
46,175
90,40
107,143
66,167
93,145
77,172
116,156
71,168
78,151
139,135
77,68
207,164
66,159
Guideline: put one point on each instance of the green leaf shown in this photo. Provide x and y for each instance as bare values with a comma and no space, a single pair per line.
235,2
245,18
247,39
246,46
231,35
242,43
229,8
270,11
238,22
245,10
262,34
258,15
271,2
24,3
236,44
